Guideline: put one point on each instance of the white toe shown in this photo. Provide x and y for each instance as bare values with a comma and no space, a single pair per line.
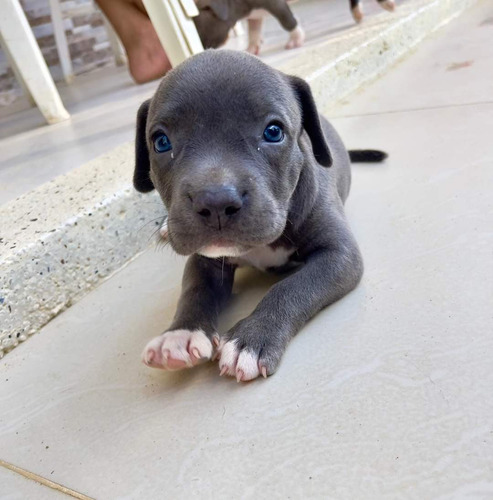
199,342
152,351
247,366
177,349
229,355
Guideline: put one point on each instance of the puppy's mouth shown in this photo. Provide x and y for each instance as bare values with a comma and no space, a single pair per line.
187,233
222,248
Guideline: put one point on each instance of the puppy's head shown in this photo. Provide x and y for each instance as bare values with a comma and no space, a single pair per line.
215,19
224,141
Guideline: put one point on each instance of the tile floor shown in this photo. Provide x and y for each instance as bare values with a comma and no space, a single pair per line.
384,395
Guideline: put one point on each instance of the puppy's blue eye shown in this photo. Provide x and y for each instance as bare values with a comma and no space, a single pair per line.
162,143
273,133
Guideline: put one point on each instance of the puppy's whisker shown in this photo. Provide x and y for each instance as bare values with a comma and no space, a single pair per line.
159,240
162,218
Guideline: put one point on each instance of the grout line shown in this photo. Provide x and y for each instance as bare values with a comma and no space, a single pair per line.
412,110
44,481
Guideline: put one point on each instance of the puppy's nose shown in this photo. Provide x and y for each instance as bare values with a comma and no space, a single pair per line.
219,202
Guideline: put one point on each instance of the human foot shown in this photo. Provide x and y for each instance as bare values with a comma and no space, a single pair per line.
147,59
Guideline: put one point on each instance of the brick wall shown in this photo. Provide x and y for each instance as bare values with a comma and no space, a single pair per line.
86,35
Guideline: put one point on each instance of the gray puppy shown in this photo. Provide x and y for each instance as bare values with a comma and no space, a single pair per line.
241,157
217,17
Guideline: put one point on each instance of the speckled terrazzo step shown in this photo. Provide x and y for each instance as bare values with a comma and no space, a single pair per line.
60,240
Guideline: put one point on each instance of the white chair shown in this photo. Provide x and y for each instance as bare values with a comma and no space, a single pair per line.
172,20
28,63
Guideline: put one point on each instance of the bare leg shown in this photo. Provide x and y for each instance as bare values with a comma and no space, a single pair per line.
146,57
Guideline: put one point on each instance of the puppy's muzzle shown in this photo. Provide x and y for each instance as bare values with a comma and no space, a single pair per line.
216,206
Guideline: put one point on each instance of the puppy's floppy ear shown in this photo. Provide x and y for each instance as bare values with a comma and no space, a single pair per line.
219,7
142,181
311,121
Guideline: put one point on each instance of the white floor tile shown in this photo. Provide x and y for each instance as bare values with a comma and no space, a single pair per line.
16,487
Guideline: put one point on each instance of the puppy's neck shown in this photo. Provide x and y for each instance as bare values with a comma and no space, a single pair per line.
303,198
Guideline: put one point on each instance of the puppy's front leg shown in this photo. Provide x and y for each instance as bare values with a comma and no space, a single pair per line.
255,345
190,340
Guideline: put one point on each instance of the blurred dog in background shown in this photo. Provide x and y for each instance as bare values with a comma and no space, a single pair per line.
217,17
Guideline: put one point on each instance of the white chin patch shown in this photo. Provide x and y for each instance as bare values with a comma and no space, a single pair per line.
213,252
163,230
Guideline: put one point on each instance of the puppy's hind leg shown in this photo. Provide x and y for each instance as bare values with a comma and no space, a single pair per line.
356,10
387,5
255,24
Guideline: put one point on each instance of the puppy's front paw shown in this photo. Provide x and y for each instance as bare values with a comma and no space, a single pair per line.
247,357
178,349
296,38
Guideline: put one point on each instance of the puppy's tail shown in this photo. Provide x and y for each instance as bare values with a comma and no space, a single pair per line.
367,155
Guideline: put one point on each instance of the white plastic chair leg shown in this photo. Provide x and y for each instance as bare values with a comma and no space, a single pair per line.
175,28
61,41
16,72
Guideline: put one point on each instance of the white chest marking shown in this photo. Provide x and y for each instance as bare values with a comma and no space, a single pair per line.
265,257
